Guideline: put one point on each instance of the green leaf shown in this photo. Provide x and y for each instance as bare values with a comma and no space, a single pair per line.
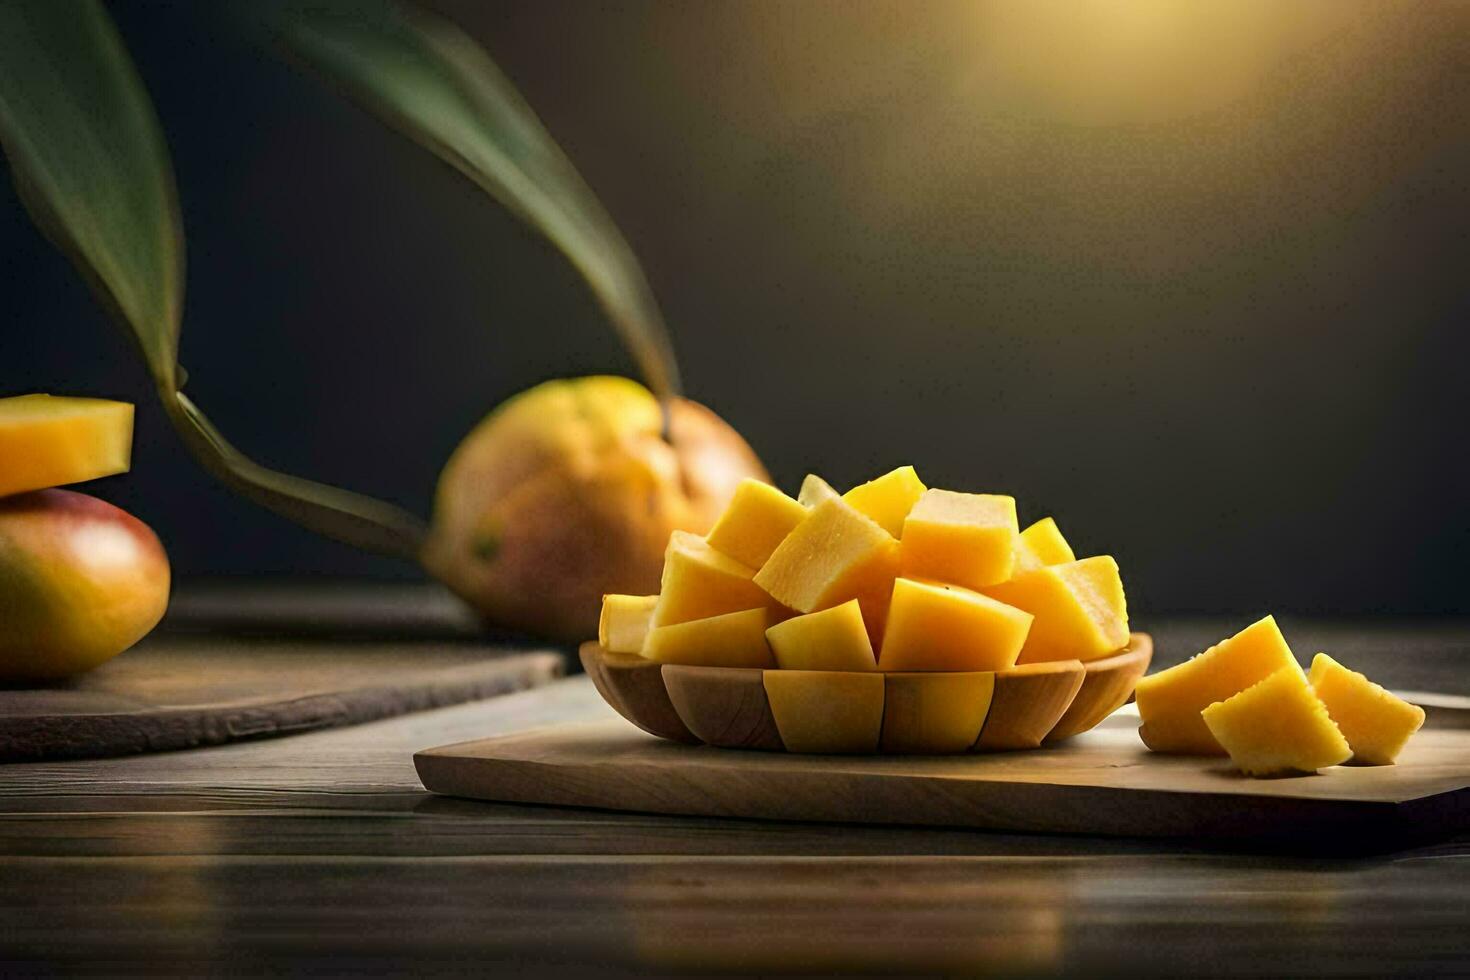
431,81
89,161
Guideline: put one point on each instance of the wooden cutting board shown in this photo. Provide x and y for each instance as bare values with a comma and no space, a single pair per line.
181,691
1102,782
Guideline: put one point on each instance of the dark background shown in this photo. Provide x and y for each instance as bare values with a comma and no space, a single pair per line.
1190,277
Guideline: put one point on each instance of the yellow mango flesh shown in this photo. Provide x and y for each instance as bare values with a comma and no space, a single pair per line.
826,711
625,621
757,520
938,627
1081,612
1376,723
1170,702
836,554
935,713
735,639
814,490
966,539
46,441
888,499
1040,545
699,582
832,639
1277,725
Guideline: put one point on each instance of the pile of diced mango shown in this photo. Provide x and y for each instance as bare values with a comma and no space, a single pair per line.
1247,696
890,576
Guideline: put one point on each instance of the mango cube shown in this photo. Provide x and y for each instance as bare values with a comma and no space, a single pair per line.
836,554
1170,702
832,639
1040,545
624,622
966,539
735,639
46,441
1081,612
757,519
699,582
888,499
826,711
814,490
1276,726
941,627
1375,722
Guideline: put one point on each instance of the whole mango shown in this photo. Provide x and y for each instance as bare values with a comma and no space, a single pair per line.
568,491
80,582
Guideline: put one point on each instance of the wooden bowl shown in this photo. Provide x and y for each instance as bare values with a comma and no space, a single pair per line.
828,712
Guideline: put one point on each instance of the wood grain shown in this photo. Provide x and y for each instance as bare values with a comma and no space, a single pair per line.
723,706
637,691
1107,684
1028,702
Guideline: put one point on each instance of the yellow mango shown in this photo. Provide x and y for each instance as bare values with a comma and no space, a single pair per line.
889,498
826,711
736,639
1170,702
832,639
699,582
836,554
1277,725
1081,612
934,713
814,490
1040,545
941,627
624,622
966,539
758,519
46,441
1376,723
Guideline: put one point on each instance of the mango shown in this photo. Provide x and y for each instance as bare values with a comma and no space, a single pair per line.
1170,702
1079,608
1376,723
942,627
569,491
836,554
934,713
47,441
699,582
833,639
80,582
1276,726
888,499
966,539
758,519
1040,545
625,622
814,490
736,639
826,711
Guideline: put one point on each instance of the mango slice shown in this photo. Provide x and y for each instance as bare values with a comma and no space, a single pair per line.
941,627
624,622
1080,609
966,539
757,519
814,490
836,554
888,499
934,713
1170,702
735,639
1376,723
826,711
699,582
833,639
1277,725
1040,545
46,441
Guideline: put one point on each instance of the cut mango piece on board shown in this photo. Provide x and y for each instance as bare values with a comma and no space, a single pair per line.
1170,702
965,539
888,499
735,639
1276,726
624,622
699,582
49,441
1080,609
1040,545
832,639
756,520
1376,723
932,626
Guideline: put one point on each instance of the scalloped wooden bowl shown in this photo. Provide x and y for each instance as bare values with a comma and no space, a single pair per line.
829,712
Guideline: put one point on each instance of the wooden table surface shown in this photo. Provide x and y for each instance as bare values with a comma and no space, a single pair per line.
322,853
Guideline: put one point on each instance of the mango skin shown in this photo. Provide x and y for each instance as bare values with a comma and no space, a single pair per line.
567,492
80,582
